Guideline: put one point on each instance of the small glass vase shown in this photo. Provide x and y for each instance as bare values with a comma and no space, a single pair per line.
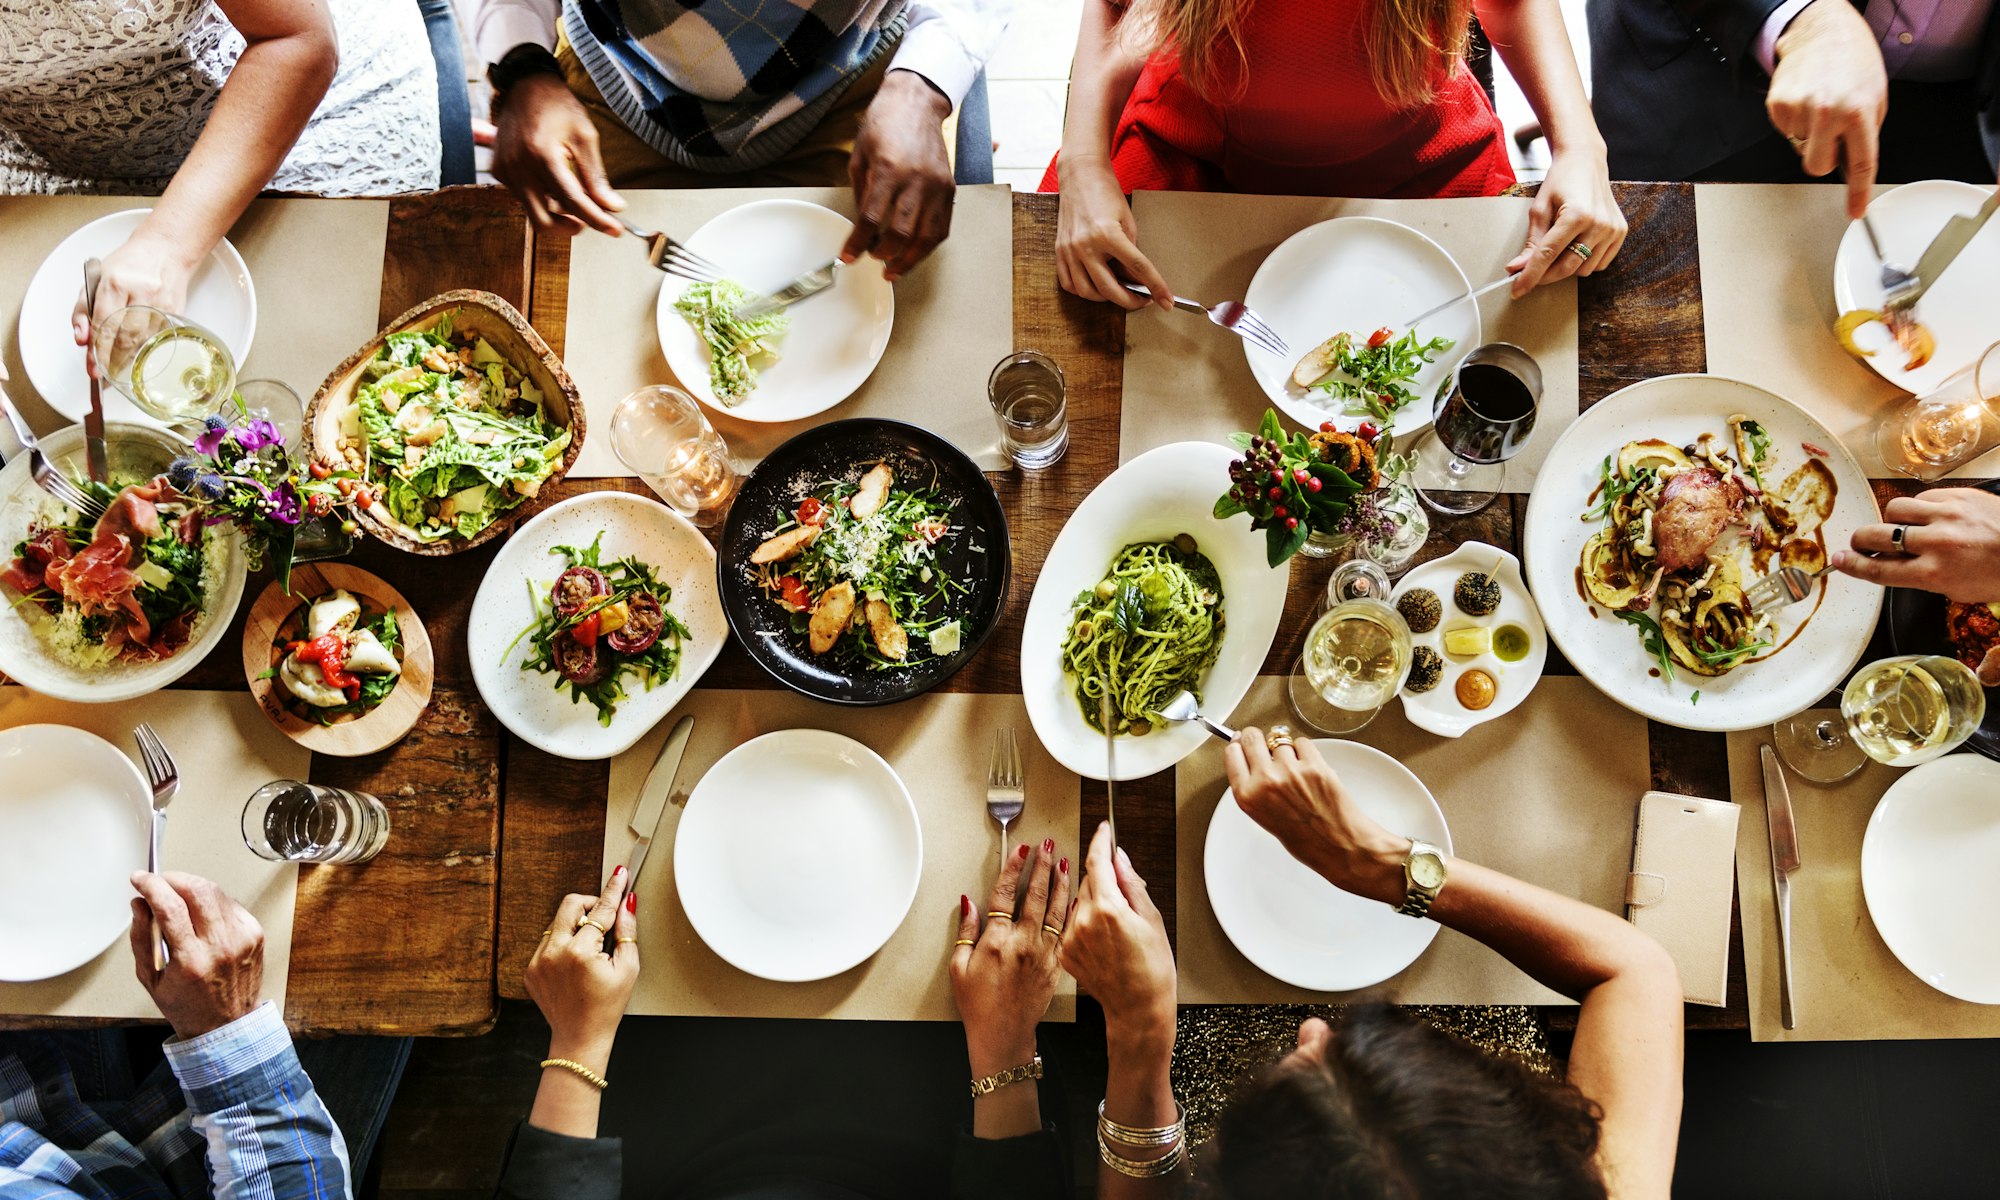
1404,508
1327,545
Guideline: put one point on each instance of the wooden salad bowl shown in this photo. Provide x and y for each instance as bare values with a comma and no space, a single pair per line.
492,318
277,616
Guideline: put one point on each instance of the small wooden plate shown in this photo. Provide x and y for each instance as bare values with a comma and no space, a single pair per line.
382,725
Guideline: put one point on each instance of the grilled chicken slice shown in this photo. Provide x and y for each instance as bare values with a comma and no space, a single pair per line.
890,638
1695,507
831,616
874,491
786,545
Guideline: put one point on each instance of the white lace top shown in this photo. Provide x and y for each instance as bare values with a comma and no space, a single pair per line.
109,96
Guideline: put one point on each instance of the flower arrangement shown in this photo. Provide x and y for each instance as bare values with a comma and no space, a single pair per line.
1329,483
241,473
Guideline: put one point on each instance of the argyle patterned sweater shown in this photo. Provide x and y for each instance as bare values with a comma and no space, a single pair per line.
728,85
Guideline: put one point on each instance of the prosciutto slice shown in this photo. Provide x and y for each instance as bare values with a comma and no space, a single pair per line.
101,579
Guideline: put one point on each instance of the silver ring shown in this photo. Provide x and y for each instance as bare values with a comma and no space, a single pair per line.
1580,250
1896,535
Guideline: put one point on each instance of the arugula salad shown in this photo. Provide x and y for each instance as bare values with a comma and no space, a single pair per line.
736,348
1371,376
599,623
452,435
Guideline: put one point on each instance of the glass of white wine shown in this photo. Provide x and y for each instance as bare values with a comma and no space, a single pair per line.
1913,708
169,366
1356,656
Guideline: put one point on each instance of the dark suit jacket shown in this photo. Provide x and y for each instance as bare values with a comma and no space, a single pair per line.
1677,88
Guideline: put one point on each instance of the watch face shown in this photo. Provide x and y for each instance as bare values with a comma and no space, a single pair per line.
1427,871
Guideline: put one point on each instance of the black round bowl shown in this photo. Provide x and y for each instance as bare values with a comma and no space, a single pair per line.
1916,626
979,556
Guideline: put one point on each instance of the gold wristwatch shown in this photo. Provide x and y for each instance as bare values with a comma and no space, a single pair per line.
1423,878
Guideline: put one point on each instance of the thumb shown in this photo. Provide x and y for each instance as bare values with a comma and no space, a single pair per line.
968,930
595,181
1133,887
142,944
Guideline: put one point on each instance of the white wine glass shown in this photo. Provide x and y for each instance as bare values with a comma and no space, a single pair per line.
172,368
1815,744
1913,708
1356,657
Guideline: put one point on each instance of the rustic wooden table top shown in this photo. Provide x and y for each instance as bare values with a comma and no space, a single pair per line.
489,833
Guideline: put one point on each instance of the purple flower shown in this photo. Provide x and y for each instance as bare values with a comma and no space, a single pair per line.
209,487
284,503
210,440
257,435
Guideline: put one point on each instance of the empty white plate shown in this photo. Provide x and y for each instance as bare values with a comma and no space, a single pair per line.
798,855
1959,306
1927,874
1356,274
836,337
1293,924
220,298
74,820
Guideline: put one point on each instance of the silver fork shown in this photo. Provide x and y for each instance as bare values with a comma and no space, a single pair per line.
46,474
670,256
1896,281
812,283
1785,586
1231,315
1005,793
165,779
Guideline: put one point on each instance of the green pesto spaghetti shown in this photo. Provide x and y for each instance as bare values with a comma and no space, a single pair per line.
1145,633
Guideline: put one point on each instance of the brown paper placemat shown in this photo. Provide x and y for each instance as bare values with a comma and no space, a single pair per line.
226,749
1547,793
1846,984
1768,312
938,744
954,320
316,266
1186,379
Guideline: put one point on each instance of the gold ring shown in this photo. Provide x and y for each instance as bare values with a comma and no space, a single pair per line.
547,934
1280,735
601,930
1052,931
628,941
965,942
1580,250
999,916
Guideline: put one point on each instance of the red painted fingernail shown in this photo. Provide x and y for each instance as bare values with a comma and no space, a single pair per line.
965,905
620,871
1063,866
1022,852
1048,845
632,903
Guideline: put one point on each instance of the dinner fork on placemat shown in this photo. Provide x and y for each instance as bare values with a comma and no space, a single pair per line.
670,256
1232,315
1005,791
164,777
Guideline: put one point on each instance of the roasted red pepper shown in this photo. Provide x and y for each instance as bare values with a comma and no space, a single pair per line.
585,629
794,591
330,652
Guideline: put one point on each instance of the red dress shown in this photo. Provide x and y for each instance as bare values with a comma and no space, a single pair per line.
1305,119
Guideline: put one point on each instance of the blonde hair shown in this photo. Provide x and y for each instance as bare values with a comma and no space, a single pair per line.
1413,45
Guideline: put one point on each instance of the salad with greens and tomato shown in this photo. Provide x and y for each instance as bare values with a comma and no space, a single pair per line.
598,625
1369,376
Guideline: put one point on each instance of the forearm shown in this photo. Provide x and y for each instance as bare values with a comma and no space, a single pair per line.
1138,1091
566,1102
1531,39
1101,81
1010,1111
263,1128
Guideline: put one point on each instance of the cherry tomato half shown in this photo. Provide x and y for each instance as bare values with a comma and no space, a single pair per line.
794,591
1379,338
811,511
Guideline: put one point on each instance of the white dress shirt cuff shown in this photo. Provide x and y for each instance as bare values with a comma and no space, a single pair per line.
1767,37
501,28
931,48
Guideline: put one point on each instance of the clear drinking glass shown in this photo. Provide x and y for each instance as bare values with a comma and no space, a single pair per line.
1928,436
274,401
290,821
1913,708
1484,417
662,435
169,366
1356,657
1026,390
1815,744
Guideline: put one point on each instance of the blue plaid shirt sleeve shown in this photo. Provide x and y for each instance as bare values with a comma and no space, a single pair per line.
265,1132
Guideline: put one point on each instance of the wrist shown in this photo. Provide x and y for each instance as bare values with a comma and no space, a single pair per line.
1140,1042
990,1056
594,1053
166,247
1372,867
912,88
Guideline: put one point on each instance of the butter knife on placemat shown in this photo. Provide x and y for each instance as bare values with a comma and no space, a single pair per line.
653,795
1784,860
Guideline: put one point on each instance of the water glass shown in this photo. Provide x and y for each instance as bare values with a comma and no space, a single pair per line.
290,821
172,368
1928,436
1484,416
662,435
1026,390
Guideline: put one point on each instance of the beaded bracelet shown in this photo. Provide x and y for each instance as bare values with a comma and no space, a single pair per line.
579,1070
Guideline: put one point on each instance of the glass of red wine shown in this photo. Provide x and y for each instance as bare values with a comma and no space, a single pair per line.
1484,416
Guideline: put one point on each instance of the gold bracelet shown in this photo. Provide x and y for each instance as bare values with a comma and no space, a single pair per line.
1140,1137
1142,1168
582,1072
1032,1069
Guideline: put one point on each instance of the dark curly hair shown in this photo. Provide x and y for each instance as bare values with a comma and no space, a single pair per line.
1400,1111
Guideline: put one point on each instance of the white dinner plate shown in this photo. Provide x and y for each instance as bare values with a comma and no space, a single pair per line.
1356,274
1157,496
836,337
529,703
1936,833
221,299
798,855
1959,307
1606,650
74,823
1292,923
1438,710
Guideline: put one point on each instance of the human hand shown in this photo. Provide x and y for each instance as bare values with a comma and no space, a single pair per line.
1116,946
151,268
1829,93
903,187
215,969
1573,206
1003,981
1952,545
1095,235
581,990
1298,799
545,150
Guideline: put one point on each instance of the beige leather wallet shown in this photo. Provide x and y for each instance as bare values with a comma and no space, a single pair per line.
1683,879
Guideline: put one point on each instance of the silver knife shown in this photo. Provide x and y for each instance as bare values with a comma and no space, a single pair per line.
1110,767
1461,298
93,421
653,799
811,283
1945,247
1784,860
